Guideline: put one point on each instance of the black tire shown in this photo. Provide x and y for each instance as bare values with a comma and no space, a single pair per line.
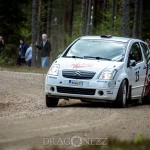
51,101
146,99
121,100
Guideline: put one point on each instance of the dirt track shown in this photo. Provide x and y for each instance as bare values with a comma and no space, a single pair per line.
25,121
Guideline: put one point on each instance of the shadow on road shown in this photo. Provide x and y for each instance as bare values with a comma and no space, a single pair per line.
78,103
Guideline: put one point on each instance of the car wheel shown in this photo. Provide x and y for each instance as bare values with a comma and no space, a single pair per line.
51,101
121,100
146,99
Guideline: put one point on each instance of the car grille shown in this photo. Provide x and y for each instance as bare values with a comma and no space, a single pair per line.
71,90
78,74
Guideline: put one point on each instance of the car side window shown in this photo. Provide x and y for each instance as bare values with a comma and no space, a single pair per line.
145,50
135,53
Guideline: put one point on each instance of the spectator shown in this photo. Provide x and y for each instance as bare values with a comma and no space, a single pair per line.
22,50
45,48
2,44
28,56
147,41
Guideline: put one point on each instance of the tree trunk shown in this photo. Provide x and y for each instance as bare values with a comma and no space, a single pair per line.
141,19
125,18
34,33
49,14
136,20
104,9
96,14
113,7
64,23
39,31
83,17
88,18
71,18
44,16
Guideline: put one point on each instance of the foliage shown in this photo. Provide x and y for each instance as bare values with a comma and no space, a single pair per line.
11,18
16,18
138,139
8,55
105,27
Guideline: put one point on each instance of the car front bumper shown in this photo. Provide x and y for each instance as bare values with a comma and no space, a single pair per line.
92,90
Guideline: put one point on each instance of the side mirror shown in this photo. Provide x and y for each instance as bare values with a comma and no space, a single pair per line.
132,63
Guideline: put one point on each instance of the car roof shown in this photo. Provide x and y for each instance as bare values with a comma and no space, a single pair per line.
109,38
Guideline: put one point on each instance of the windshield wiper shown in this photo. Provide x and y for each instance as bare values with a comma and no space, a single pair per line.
98,58
74,57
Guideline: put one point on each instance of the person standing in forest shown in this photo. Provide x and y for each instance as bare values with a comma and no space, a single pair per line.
21,52
28,55
2,44
45,49
148,42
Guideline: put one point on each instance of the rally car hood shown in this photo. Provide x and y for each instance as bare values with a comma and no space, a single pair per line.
87,64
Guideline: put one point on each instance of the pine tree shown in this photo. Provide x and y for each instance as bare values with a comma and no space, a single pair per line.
34,32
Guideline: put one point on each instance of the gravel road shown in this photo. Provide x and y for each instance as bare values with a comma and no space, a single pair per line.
26,122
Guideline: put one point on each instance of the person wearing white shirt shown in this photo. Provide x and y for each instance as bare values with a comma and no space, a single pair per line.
28,56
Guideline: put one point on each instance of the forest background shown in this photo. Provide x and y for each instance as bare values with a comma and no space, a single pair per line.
65,20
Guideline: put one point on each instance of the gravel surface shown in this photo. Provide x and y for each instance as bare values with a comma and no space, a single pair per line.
25,121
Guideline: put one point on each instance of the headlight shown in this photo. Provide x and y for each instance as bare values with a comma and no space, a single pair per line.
107,74
54,70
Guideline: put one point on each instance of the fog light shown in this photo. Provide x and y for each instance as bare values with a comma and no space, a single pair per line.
101,93
52,89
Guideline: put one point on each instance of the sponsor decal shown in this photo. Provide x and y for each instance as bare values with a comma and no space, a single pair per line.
102,81
136,69
51,77
81,65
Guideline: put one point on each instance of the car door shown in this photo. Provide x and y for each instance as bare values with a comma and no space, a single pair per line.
146,53
137,73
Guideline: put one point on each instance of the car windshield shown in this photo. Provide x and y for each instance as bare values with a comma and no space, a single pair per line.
97,49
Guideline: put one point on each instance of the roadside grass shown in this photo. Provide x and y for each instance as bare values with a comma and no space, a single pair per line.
25,69
139,143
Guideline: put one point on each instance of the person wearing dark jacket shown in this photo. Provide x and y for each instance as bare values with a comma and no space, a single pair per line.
21,52
45,49
2,44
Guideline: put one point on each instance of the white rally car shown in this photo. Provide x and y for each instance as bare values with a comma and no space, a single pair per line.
100,69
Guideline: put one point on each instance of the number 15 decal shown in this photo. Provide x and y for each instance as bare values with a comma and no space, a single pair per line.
137,76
